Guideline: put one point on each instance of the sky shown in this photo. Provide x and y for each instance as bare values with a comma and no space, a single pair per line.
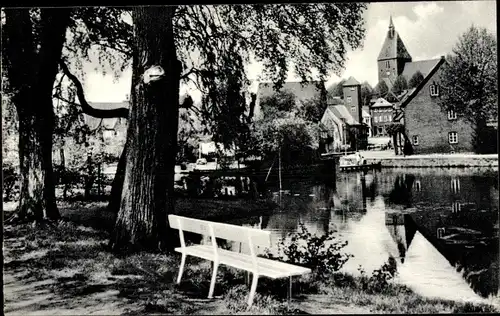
429,29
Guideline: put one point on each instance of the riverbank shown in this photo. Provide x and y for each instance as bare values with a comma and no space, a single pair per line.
66,268
390,160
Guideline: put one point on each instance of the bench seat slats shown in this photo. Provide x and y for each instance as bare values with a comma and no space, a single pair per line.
270,268
221,230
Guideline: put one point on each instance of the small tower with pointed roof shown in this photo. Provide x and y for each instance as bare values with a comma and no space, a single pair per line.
392,57
352,98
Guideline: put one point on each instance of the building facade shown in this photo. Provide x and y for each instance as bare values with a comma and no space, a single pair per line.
343,124
430,128
381,117
427,127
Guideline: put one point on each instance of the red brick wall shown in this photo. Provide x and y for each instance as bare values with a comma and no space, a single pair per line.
425,118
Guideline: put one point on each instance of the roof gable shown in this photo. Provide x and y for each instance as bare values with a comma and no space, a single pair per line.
351,82
341,112
301,90
413,92
393,47
424,66
381,102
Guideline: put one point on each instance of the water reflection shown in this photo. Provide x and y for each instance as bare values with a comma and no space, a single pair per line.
460,202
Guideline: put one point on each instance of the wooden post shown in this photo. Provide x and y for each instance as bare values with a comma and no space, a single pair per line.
279,168
99,182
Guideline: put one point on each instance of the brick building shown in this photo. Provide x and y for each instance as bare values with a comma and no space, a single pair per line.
428,128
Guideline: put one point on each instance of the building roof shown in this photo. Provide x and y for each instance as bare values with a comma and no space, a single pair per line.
414,91
393,46
334,100
380,103
365,111
302,90
351,82
424,66
342,112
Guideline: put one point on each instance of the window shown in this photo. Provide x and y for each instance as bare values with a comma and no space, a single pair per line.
375,119
453,137
353,109
418,186
352,89
455,185
456,207
387,64
415,139
390,118
452,115
349,99
434,90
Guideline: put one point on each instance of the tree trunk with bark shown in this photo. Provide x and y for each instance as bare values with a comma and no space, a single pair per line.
147,193
32,69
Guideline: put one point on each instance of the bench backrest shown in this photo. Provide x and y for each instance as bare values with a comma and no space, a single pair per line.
225,231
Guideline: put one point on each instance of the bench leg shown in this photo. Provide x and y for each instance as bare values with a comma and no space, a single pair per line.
181,269
212,282
253,288
289,293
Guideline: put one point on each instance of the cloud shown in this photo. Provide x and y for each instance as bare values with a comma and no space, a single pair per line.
424,10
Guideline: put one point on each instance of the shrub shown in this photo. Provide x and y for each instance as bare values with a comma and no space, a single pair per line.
378,282
321,254
11,184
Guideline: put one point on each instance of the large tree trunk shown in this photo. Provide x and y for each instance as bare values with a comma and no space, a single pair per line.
31,72
147,193
117,185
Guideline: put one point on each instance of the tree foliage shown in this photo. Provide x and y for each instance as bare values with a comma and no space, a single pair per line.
381,89
312,109
400,85
469,80
416,79
366,93
283,126
337,89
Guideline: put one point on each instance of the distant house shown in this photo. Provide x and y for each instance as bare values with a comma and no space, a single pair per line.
343,123
367,119
381,114
428,128
303,92
111,129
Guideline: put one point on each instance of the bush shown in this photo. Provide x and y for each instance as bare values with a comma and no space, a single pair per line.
321,254
11,182
378,282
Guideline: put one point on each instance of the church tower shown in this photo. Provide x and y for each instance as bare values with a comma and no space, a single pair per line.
392,57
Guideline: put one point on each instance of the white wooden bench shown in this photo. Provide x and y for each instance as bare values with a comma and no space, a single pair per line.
250,262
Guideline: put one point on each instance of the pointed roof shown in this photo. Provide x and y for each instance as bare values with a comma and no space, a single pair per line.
381,102
351,82
393,46
342,112
424,66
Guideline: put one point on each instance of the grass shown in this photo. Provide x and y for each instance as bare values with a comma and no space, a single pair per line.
66,268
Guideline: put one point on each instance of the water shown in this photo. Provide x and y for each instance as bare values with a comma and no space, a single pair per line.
357,207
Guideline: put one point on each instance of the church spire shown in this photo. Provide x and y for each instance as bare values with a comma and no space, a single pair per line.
391,27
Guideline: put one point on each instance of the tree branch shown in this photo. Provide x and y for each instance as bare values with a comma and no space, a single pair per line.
86,107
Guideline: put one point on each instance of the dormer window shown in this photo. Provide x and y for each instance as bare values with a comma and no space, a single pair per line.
452,115
434,90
